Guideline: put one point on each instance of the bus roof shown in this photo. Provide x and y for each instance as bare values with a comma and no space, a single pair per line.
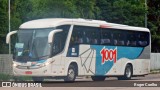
53,22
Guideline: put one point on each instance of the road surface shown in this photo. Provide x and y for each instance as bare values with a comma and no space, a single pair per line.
83,83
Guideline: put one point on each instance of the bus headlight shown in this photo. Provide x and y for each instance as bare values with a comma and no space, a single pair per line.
44,64
47,63
14,65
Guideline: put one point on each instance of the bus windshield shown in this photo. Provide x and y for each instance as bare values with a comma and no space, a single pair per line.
32,45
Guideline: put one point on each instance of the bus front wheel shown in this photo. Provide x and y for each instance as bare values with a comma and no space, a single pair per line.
71,75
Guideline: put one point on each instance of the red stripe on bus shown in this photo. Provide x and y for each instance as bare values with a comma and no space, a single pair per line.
104,26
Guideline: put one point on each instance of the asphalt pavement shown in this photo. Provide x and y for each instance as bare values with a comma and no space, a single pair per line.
149,82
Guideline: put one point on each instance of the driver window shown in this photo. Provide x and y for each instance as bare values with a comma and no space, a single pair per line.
59,39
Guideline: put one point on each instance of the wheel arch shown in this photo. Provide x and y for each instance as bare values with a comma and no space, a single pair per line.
76,67
124,76
130,64
74,63
124,65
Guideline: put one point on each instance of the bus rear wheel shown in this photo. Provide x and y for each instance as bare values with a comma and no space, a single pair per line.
71,75
98,78
127,73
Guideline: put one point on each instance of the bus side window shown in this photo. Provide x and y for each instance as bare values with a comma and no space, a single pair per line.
106,37
115,39
142,39
94,38
59,39
131,39
76,35
85,37
56,44
120,38
79,38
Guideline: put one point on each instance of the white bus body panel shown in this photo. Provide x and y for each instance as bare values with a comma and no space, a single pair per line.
87,59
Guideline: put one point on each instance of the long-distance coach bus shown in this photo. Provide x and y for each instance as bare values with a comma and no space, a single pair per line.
67,48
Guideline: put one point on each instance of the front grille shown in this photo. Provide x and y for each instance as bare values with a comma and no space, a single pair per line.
28,67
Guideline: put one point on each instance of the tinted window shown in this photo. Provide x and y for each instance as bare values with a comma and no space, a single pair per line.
131,39
143,39
106,37
117,37
59,39
85,35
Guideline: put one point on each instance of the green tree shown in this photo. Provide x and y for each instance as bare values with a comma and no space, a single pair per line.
19,14
20,10
3,25
53,9
130,12
154,23
87,9
64,9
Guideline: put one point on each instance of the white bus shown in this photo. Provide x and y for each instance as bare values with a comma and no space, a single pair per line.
66,48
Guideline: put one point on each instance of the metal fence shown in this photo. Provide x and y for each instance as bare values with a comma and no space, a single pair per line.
155,61
6,62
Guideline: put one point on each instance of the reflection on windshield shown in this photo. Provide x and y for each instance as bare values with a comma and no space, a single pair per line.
32,44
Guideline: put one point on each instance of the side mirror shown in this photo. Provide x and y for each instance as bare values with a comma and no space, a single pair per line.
9,36
51,34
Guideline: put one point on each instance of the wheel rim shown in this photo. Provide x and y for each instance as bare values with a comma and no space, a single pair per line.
128,72
71,74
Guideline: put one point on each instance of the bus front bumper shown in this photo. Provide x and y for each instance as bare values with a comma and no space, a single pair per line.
43,71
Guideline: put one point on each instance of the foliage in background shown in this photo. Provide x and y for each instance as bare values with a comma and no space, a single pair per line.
3,25
129,12
5,77
63,9
154,23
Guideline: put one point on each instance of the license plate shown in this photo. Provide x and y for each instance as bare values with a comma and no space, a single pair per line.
28,72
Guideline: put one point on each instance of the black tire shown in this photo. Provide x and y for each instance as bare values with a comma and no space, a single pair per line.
38,79
98,78
127,74
71,74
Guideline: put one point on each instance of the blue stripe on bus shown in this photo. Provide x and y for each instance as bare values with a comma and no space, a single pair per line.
122,52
